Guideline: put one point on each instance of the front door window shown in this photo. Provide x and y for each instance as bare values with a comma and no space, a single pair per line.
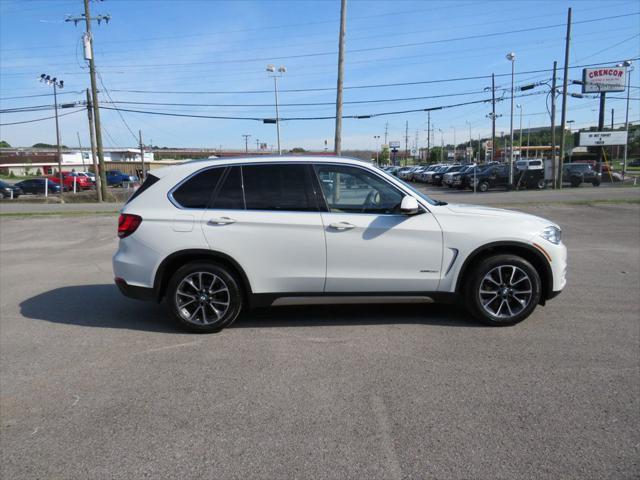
355,190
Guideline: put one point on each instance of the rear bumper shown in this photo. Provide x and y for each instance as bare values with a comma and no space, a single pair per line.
132,291
554,294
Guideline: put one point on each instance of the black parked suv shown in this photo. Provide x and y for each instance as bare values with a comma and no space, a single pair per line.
577,173
493,176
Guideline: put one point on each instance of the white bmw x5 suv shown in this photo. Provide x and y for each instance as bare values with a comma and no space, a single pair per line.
215,237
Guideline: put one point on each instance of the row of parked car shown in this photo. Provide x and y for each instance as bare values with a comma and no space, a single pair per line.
455,175
529,173
51,184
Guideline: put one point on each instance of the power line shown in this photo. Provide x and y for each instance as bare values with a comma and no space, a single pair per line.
41,119
117,110
357,87
40,95
328,117
308,104
369,49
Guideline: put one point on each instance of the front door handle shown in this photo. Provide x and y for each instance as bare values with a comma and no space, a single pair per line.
342,226
221,221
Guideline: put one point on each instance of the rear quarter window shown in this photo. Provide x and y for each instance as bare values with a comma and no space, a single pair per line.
197,191
149,181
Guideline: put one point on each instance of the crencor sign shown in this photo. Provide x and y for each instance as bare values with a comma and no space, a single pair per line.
597,139
604,79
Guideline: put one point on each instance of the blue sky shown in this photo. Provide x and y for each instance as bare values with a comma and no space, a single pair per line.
223,46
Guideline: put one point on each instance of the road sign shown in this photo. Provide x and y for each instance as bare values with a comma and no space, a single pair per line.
597,139
604,79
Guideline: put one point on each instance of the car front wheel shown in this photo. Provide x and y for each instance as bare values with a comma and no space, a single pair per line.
503,290
204,297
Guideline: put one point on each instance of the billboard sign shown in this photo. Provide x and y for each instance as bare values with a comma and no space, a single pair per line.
604,79
393,144
597,139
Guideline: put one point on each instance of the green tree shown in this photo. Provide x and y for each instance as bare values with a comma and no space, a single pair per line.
4,144
46,145
384,155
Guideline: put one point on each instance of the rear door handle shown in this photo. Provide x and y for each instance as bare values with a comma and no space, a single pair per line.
221,221
342,226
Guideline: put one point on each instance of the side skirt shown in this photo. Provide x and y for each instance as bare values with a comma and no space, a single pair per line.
259,300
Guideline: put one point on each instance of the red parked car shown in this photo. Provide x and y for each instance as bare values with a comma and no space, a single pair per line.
82,183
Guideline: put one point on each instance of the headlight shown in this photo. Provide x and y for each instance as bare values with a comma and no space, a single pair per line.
552,234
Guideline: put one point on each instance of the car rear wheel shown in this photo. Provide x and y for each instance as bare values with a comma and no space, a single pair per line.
483,186
503,290
540,184
204,297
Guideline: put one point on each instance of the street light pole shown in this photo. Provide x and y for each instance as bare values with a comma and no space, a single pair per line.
281,70
377,139
512,58
56,84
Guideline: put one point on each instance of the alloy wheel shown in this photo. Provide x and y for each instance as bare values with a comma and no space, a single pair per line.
202,298
505,291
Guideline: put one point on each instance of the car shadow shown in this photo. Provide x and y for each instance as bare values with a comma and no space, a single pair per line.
103,306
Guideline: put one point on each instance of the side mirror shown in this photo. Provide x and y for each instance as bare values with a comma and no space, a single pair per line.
409,206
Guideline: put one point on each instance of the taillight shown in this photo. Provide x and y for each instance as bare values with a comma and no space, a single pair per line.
127,224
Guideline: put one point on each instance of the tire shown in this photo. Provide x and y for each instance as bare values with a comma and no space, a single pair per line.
514,281
596,183
575,182
212,311
483,186
541,184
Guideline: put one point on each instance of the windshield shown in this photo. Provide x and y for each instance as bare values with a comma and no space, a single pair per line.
423,196
580,166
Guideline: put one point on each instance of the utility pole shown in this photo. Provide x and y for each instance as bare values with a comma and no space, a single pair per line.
428,135
386,132
92,139
470,142
565,83
626,63
257,145
246,137
88,55
528,138
512,58
554,159
343,26
493,117
520,107
406,142
144,175
601,114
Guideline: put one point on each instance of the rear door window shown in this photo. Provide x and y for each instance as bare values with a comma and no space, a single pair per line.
230,195
278,187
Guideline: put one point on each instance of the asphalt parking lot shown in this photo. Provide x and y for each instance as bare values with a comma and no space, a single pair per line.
94,385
